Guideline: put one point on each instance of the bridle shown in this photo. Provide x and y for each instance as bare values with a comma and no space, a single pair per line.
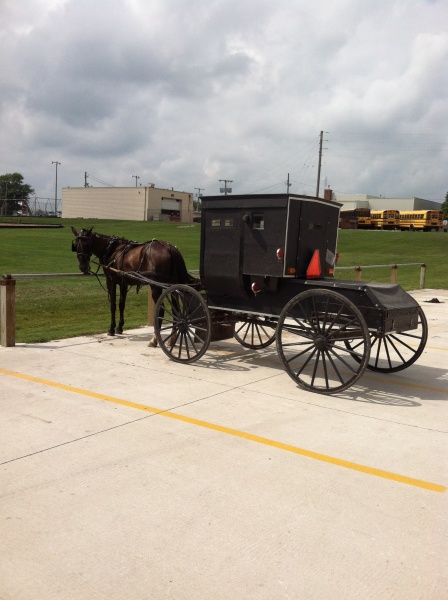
75,246
86,251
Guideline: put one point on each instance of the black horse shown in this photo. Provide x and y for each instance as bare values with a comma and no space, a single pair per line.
123,261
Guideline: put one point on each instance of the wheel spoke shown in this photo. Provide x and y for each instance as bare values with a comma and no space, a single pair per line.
182,327
314,336
392,352
253,333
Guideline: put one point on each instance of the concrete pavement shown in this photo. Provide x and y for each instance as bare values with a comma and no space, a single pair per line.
127,476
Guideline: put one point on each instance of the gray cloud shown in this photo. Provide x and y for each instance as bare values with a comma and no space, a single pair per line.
186,93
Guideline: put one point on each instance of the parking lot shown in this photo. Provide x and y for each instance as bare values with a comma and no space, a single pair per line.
127,476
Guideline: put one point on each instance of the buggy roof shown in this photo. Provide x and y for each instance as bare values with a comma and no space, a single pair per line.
259,200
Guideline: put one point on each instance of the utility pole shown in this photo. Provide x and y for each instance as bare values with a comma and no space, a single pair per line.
199,195
320,163
288,185
136,178
85,179
55,162
224,190
4,207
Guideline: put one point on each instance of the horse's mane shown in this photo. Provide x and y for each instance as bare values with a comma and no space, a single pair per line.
116,238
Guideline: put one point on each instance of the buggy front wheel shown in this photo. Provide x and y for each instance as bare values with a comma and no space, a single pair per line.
312,335
182,324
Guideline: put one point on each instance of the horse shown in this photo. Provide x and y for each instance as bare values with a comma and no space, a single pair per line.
122,259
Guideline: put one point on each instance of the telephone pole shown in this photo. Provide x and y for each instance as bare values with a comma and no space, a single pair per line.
55,162
320,163
136,178
224,190
288,185
199,195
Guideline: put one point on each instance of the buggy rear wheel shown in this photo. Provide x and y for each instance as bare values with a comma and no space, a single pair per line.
392,352
254,332
182,324
312,335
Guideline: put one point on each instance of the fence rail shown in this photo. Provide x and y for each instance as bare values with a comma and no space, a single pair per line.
393,274
8,301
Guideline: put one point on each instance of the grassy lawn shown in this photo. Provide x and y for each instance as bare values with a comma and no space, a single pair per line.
59,308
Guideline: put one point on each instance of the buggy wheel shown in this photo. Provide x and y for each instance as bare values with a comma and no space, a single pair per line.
395,351
312,332
182,324
255,332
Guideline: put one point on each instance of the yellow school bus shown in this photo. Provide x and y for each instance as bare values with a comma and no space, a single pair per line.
358,218
421,220
385,219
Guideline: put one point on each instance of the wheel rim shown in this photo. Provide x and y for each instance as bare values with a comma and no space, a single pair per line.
311,341
394,352
254,333
182,324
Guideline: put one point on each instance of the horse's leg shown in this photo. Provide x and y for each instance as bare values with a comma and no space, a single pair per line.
112,290
155,293
122,305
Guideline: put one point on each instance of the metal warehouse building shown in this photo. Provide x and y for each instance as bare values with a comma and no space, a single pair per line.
352,201
128,203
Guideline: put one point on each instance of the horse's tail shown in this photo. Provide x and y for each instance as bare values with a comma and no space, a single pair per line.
179,268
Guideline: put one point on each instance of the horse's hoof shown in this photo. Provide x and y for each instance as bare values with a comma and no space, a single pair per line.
111,333
119,331
152,344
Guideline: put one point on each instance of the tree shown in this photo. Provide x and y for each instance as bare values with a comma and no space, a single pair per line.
12,192
445,207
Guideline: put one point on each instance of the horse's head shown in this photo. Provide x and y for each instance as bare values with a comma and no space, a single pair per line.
82,245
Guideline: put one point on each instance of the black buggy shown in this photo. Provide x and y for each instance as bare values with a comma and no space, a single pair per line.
266,273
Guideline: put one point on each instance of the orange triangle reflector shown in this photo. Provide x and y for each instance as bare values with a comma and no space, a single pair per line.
314,270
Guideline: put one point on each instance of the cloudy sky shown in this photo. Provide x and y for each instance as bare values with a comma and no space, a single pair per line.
183,93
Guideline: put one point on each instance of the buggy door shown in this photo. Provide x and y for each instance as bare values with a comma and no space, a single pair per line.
264,234
312,225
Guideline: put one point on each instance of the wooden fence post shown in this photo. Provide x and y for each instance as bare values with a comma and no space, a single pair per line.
7,312
394,274
358,274
422,276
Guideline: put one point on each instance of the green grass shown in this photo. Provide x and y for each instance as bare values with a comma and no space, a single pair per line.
60,308
359,248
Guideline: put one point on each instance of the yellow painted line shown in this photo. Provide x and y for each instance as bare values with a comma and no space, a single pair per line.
416,386
434,487
436,348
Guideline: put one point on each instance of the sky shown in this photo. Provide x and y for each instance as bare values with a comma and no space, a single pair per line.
185,93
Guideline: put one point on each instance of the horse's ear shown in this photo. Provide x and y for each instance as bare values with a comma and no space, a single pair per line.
90,230
75,233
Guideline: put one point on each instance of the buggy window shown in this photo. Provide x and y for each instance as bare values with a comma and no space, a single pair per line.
258,221
216,222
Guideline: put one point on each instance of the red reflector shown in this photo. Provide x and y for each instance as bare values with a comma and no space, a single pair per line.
314,270
280,253
290,271
255,288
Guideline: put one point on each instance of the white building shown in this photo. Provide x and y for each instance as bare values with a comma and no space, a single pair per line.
352,201
128,203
